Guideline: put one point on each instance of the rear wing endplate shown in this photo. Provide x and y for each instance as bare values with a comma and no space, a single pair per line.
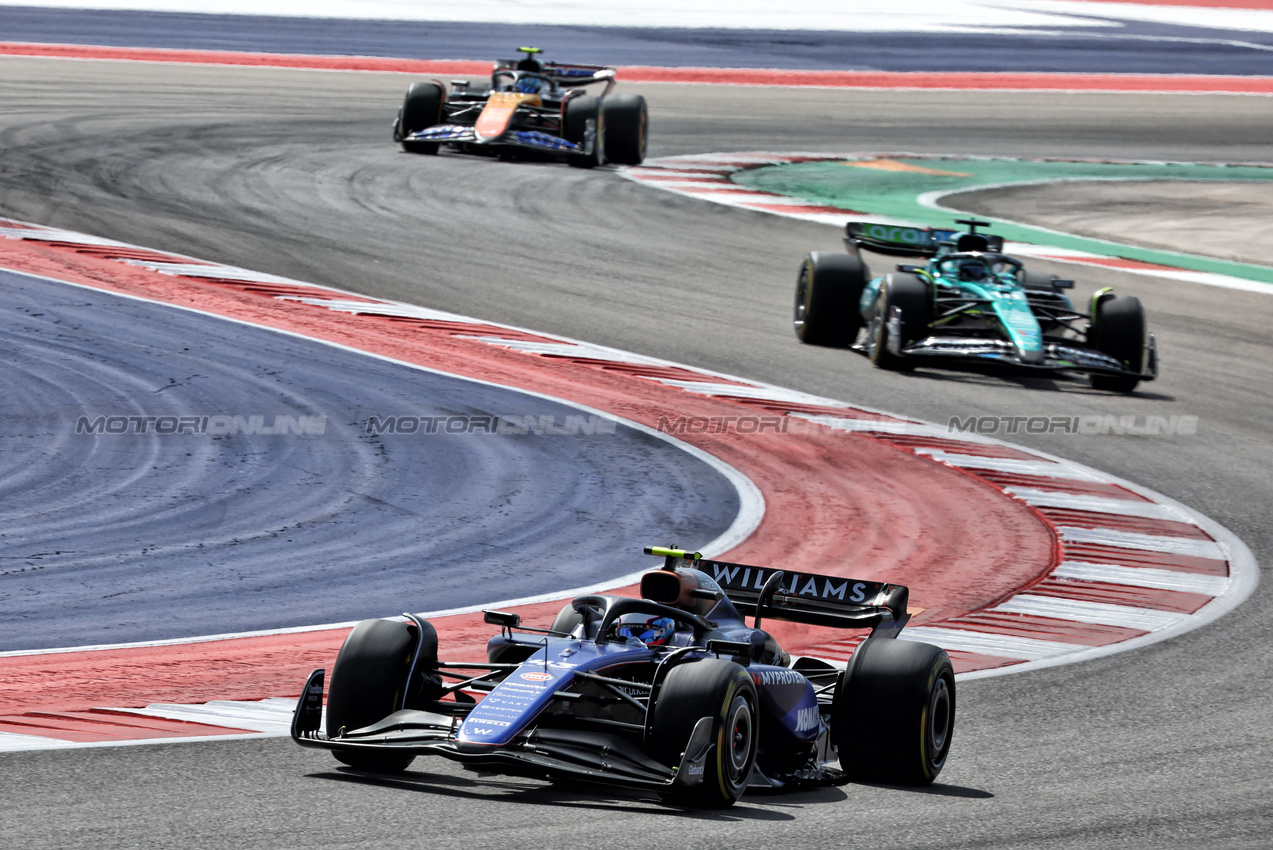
581,75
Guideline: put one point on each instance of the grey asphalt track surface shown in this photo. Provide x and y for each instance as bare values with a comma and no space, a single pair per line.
293,173
1229,221
155,533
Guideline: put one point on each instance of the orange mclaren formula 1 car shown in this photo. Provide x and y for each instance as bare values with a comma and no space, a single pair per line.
529,106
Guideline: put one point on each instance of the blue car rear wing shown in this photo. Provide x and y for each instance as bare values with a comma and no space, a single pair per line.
802,597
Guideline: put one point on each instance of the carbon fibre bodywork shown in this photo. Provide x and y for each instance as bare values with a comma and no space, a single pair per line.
971,304
530,107
589,703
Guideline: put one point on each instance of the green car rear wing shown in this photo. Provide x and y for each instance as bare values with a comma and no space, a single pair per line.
902,241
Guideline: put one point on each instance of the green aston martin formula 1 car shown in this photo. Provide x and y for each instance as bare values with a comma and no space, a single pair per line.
969,304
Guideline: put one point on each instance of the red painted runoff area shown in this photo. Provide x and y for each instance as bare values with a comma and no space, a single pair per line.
835,503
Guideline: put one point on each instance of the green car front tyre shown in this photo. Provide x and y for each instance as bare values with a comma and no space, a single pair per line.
910,296
1119,330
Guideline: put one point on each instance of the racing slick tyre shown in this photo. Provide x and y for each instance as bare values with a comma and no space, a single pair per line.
723,691
1118,329
828,290
909,294
421,109
574,127
368,684
894,712
627,121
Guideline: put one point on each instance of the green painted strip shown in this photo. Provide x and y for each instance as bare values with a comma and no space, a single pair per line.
896,192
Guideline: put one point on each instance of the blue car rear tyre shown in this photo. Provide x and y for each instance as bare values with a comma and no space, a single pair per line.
894,712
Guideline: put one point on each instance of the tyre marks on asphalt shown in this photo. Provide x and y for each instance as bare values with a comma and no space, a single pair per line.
204,481
1127,566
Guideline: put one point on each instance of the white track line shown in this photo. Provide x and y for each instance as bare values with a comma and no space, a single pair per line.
1143,577
1145,542
1095,504
1098,613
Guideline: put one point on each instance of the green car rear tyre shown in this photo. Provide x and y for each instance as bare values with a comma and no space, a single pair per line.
828,289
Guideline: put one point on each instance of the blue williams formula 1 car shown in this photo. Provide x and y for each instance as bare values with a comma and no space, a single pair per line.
528,107
672,692
969,304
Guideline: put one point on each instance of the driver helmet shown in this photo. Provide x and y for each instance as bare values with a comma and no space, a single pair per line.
528,85
650,629
973,270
